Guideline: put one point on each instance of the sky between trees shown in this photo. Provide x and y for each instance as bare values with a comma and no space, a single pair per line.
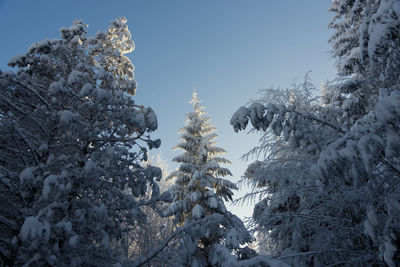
227,50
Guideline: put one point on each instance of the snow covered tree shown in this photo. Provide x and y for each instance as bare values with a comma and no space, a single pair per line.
199,191
212,235
352,214
370,148
71,141
290,220
366,45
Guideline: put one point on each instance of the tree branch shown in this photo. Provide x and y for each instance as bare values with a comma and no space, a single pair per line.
312,117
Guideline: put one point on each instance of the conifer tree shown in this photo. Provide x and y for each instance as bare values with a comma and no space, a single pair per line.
198,192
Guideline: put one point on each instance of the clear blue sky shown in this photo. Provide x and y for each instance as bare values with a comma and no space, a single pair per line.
226,49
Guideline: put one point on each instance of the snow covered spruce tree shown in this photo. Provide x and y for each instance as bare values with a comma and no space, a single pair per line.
354,213
71,140
214,235
198,192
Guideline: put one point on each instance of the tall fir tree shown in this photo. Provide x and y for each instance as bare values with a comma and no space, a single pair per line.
197,196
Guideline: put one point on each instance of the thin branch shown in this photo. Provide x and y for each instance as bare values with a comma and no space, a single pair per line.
11,186
390,165
141,107
312,117
151,254
106,140
28,144
20,151
302,254
33,91
22,112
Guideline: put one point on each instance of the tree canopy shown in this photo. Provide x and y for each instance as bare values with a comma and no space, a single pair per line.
72,139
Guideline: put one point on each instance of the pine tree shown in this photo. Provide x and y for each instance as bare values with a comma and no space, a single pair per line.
198,195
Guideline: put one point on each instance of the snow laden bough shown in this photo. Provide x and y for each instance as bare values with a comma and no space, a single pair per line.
295,126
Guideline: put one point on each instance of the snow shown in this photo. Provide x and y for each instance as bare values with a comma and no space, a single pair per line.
31,228
55,87
353,56
232,238
368,146
212,202
392,145
66,117
48,181
101,94
369,230
90,167
387,107
240,119
389,252
212,165
194,196
86,89
14,240
372,217
198,211
105,241
65,225
26,175
257,115
43,148
41,44
15,60
150,119
166,197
